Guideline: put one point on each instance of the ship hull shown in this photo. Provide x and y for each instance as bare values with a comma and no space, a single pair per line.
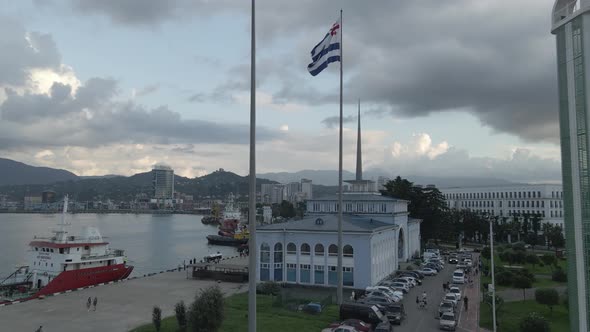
225,241
68,280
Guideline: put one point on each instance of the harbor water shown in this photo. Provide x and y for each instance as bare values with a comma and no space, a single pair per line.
152,243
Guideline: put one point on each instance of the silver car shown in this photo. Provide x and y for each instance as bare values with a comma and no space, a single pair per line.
448,322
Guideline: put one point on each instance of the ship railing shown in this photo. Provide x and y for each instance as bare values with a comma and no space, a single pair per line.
13,274
110,253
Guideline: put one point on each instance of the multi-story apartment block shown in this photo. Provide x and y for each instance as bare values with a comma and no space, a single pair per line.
545,200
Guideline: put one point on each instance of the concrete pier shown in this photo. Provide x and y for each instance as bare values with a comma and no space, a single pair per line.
121,306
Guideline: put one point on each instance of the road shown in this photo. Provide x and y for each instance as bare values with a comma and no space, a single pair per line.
423,320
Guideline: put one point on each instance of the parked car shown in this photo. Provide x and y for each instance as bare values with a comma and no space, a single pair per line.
356,323
395,313
403,285
428,271
448,321
403,282
380,300
445,306
451,297
414,273
415,279
411,281
457,291
458,276
437,267
366,312
384,294
386,288
384,327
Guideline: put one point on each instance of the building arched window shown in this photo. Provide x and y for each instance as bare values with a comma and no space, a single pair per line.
278,253
305,250
348,251
333,250
264,253
291,249
319,250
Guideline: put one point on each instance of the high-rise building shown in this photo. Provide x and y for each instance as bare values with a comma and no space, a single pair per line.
292,189
163,182
266,192
307,188
571,27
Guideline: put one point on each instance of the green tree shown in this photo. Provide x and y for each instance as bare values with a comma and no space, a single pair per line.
556,237
548,259
559,275
157,318
548,297
287,210
206,313
534,322
180,312
523,283
428,204
532,259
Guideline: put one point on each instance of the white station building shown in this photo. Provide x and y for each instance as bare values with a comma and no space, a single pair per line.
545,200
377,236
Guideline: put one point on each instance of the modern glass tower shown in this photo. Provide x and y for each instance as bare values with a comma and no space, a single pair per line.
163,182
571,26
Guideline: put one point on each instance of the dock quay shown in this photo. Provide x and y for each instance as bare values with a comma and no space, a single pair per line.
121,306
234,269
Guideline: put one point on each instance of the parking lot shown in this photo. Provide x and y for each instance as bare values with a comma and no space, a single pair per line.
423,320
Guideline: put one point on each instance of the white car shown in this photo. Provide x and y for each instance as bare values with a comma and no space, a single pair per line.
386,289
455,290
402,286
383,293
458,276
451,297
411,280
428,271
404,281
468,262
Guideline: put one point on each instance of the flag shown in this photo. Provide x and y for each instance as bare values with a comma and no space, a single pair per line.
326,51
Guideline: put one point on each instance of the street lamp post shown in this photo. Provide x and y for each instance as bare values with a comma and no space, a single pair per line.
493,281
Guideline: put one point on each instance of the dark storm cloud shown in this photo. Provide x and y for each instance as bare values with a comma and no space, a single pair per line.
21,51
412,57
93,118
131,11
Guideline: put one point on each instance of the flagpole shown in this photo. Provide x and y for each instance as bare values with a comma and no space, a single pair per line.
252,193
340,274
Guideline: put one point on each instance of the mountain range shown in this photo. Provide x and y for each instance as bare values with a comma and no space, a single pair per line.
18,179
14,172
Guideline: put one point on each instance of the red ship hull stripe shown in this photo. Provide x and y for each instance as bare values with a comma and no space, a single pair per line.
81,278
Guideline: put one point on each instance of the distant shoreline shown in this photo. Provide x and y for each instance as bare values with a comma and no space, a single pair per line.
107,212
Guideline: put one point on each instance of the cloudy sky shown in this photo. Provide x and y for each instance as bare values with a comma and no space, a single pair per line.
448,88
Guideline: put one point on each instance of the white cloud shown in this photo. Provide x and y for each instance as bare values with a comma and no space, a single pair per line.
284,128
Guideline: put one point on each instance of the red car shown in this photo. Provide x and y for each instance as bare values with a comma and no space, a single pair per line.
359,325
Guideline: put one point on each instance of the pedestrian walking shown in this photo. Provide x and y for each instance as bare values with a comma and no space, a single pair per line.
466,303
417,301
352,296
444,286
95,302
40,329
88,303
